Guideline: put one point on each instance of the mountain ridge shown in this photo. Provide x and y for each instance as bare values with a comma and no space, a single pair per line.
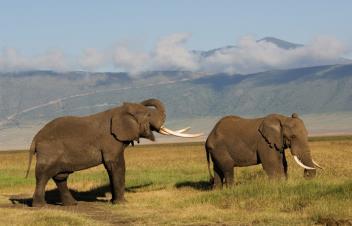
217,85
29,100
276,41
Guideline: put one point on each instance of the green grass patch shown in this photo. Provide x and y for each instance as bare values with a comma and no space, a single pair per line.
330,138
168,185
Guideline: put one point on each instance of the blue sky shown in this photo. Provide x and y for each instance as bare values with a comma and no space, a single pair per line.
35,27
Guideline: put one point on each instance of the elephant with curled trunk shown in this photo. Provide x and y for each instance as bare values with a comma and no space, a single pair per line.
236,141
69,144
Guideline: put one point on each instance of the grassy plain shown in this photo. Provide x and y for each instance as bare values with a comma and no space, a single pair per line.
168,185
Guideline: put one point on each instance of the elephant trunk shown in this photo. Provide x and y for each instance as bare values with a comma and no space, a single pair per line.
159,107
305,160
158,120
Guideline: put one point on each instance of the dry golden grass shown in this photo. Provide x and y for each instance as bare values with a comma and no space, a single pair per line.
167,185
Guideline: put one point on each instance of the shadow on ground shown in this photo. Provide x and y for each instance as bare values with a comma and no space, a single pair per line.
199,185
94,195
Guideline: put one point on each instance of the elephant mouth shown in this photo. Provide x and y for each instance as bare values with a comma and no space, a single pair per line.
179,133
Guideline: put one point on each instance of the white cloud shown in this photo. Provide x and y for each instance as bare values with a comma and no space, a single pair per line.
11,59
91,59
250,56
130,60
170,53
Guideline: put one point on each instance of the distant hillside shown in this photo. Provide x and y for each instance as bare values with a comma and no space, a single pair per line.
45,95
29,99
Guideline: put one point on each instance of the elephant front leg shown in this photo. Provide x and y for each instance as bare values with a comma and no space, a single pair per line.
116,172
274,166
284,163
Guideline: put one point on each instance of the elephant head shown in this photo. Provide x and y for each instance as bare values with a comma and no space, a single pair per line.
139,120
282,132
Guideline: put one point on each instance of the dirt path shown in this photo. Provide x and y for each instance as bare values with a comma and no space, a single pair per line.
94,210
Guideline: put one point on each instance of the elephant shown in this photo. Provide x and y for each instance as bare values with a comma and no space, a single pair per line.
71,143
240,142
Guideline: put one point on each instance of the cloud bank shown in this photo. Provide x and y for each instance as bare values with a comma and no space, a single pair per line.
12,60
250,56
170,53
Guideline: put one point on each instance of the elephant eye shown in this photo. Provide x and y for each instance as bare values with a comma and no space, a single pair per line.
293,136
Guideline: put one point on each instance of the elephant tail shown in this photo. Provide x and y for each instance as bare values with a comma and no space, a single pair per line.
211,177
31,153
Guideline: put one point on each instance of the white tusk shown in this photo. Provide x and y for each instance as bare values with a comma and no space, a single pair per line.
163,132
316,164
301,164
176,133
183,130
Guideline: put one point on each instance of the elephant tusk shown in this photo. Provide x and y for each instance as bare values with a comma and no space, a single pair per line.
301,164
179,134
178,131
183,130
317,165
163,132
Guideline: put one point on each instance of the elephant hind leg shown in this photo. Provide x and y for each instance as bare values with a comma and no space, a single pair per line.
65,194
218,178
223,175
42,176
223,168
229,177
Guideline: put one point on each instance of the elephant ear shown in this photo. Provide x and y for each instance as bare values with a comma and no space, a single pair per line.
271,130
127,125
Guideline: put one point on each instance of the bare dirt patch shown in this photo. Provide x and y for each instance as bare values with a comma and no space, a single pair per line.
97,211
334,222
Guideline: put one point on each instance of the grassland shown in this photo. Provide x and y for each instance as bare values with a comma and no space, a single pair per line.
168,185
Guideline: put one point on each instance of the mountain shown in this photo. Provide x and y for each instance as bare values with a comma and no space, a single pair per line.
321,94
278,42
43,95
285,45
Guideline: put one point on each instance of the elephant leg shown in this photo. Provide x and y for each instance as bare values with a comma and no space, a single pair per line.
273,165
65,194
229,177
223,167
42,178
116,171
284,163
218,178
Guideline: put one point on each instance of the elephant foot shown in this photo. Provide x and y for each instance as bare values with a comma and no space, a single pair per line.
118,201
69,203
68,200
217,186
38,203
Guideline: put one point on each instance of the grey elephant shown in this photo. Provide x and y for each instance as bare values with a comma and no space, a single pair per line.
238,142
69,144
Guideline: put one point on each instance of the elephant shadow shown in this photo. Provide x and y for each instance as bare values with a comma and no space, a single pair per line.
198,185
97,194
